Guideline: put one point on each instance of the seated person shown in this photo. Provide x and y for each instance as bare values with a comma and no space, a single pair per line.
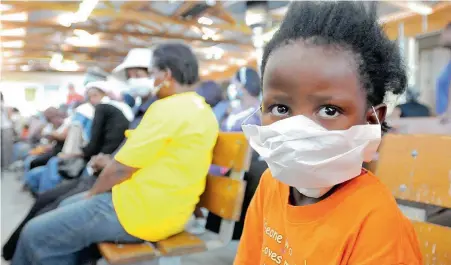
155,164
412,108
111,119
325,72
213,95
49,200
52,139
247,85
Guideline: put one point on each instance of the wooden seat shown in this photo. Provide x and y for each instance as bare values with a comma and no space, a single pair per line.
128,253
417,169
222,196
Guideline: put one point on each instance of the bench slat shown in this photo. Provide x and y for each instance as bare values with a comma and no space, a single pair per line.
223,196
231,151
181,244
435,242
119,254
417,167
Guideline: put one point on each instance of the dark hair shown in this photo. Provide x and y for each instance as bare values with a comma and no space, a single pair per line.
346,25
211,91
180,60
250,80
15,110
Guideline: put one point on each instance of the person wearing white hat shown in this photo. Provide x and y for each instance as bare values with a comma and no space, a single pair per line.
134,70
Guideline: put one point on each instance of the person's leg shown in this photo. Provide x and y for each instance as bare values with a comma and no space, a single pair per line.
27,163
57,237
41,160
83,185
32,178
73,199
50,178
42,202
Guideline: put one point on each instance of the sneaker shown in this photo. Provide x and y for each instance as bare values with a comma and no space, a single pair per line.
197,227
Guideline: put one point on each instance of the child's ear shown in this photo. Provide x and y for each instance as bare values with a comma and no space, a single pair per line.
376,114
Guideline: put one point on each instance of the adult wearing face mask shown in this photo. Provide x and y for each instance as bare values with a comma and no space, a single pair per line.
134,71
247,85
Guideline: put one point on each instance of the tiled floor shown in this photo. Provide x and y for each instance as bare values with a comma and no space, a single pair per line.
15,204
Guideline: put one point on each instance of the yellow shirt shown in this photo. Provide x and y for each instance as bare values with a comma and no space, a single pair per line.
172,147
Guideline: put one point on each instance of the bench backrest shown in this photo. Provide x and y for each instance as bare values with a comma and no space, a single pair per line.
417,168
426,125
224,196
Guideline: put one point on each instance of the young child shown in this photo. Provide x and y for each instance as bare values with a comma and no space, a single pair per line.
325,74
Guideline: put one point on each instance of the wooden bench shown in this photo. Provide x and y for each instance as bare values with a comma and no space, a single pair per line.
417,169
223,196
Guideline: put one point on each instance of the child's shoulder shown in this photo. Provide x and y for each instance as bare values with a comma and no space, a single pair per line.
368,193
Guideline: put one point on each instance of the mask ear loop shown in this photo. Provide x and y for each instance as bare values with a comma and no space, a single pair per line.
250,115
377,117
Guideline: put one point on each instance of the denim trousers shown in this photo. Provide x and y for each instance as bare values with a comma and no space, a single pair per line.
59,236
44,178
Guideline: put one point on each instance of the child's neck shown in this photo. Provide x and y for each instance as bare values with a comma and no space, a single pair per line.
298,199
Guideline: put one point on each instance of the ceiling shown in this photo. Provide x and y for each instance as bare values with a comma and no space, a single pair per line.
38,35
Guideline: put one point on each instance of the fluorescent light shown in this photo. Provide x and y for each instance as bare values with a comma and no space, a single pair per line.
66,19
13,44
56,60
205,21
419,8
7,54
205,72
4,7
214,53
239,62
83,39
13,32
25,68
218,68
22,16
85,9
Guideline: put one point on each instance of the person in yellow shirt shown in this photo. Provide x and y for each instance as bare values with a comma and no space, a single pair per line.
150,190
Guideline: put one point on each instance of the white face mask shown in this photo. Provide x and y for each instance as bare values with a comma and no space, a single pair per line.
141,87
310,158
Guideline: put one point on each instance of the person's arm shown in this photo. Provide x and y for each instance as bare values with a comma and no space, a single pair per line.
140,150
97,132
397,244
114,173
250,248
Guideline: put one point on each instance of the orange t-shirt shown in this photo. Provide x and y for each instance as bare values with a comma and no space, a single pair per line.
359,224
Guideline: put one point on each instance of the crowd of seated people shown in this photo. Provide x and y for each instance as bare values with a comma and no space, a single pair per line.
133,158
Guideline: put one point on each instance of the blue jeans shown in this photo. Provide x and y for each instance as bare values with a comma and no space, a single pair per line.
20,151
57,237
43,178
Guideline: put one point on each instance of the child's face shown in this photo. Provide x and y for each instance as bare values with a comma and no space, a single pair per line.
318,82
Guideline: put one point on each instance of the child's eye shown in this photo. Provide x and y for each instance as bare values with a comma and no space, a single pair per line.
279,110
329,112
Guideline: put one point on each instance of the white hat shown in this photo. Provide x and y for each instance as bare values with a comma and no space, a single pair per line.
136,58
102,85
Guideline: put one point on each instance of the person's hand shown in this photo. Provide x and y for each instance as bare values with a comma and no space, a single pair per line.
88,195
100,161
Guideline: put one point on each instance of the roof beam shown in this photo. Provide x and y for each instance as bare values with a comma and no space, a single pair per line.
414,23
17,24
129,15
